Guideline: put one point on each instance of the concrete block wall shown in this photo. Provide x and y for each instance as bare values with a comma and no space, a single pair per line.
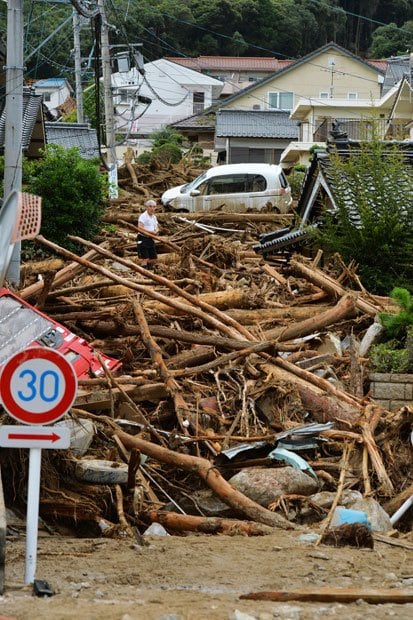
391,390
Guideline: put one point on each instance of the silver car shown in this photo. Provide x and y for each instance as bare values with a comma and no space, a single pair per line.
234,187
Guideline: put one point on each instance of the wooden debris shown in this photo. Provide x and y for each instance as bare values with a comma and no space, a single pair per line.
218,348
336,595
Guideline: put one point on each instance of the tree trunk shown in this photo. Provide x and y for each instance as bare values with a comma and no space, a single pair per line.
206,525
206,470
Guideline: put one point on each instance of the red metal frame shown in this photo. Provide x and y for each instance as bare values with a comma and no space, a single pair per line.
76,350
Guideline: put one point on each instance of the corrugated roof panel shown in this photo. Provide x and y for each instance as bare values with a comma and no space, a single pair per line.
255,124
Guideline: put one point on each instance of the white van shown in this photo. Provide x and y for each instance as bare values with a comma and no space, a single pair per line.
234,187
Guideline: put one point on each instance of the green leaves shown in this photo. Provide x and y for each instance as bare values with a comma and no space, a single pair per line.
73,195
373,223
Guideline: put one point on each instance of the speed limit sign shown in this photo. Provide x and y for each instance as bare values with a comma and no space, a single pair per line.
37,386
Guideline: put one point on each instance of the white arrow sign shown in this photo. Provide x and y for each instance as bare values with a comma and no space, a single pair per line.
34,437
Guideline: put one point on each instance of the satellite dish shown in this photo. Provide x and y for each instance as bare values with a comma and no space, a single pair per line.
20,218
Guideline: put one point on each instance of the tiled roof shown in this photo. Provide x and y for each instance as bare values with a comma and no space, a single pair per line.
31,107
69,135
321,165
380,65
397,68
203,122
255,124
231,63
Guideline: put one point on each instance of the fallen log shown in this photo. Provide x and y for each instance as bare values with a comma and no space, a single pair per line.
219,299
335,595
205,470
62,276
206,525
276,218
182,411
224,328
109,328
332,287
289,313
323,406
224,319
343,309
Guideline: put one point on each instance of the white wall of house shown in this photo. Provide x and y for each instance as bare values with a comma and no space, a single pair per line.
55,92
176,93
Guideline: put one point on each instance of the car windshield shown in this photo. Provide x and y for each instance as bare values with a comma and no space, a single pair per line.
189,186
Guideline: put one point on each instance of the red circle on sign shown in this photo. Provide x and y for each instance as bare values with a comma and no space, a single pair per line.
59,408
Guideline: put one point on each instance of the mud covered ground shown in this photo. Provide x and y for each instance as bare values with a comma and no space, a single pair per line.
198,578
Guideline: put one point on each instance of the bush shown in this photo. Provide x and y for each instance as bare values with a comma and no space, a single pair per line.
396,325
73,195
166,154
386,357
166,135
144,158
295,180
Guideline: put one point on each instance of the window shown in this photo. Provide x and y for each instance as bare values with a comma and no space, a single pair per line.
198,101
256,183
256,106
324,95
228,184
47,96
283,180
123,96
352,95
281,101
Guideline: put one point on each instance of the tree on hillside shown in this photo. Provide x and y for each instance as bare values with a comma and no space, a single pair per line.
392,41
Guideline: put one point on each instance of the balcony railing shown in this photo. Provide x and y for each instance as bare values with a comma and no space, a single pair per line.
362,129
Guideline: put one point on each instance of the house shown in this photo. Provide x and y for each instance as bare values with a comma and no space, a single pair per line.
322,190
398,67
165,94
329,73
237,72
56,94
198,129
69,135
307,88
254,136
33,138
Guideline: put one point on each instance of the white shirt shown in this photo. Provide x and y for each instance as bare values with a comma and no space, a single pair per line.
148,222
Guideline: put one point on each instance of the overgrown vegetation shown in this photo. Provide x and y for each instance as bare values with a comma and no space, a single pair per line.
73,194
373,223
295,179
166,147
396,353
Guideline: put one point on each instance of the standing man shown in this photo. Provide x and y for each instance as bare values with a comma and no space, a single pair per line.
147,222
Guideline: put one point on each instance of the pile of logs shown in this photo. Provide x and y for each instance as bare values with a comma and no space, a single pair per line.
218,347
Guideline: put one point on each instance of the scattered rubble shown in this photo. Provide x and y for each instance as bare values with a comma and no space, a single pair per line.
217,348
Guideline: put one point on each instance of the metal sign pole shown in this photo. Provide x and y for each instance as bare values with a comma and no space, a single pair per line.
32,518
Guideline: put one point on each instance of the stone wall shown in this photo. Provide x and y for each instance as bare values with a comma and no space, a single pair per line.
391,390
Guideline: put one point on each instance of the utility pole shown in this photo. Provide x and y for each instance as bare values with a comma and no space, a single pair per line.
78,67
108,99
14,117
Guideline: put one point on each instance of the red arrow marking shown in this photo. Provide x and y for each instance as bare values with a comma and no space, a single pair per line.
53,437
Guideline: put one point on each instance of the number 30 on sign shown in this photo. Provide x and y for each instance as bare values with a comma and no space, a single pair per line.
37,386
